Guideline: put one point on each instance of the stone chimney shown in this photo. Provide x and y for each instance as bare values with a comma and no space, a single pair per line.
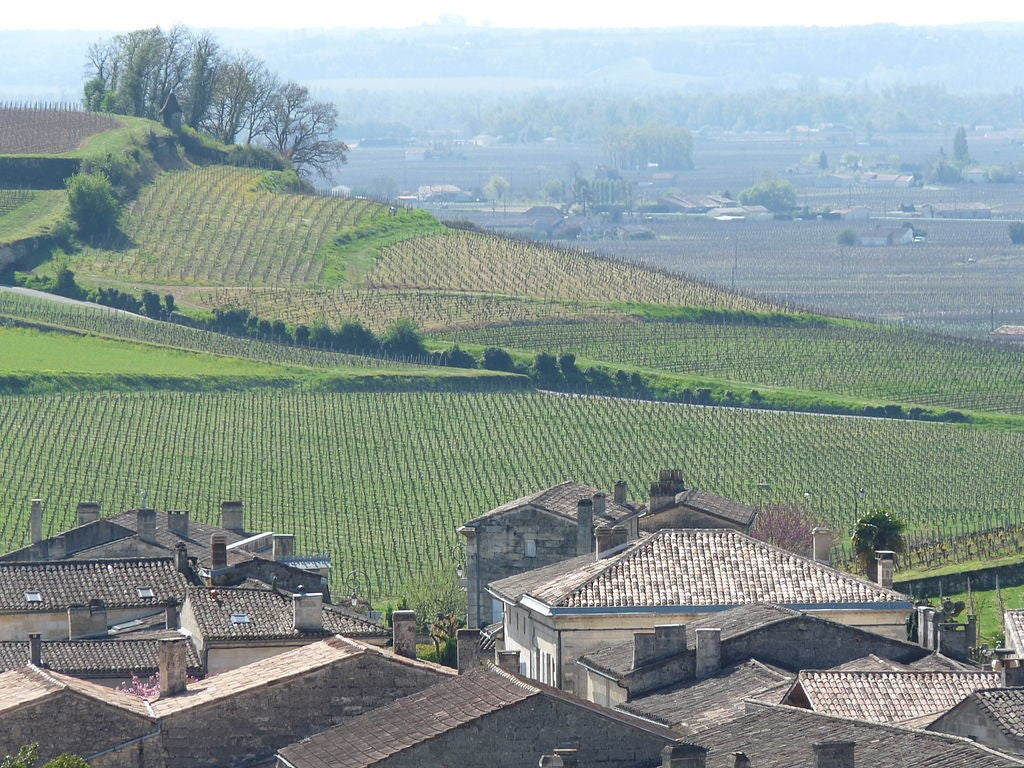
232,516
619,494
177,522
308,612
507,660
709,652
181,563
35,649
467,644
1012,673
584,526
740,760
833,754
87,620
822,546
36,521
600,504
173,665
663,492
218,551
403,633
88,512
886,567
283,546
666,640
56,548
146,523
610,538
684,756
171,615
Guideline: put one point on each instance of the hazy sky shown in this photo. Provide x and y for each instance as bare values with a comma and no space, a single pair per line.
132,14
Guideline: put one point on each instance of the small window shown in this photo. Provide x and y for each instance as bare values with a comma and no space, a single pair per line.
240,618
33,597
531,547
146,593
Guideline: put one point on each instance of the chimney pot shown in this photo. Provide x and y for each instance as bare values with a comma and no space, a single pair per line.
584,526
36,520
232,516
146,524
619,494
284,546
467,644
218,551
173,665
35,649
822,545
684,756
709,652
833,754
308,611
403,633
508,661
88,512
177,522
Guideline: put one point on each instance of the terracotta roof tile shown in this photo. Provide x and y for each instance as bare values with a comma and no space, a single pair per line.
1014,623
717,506
23,685
561,500
96,657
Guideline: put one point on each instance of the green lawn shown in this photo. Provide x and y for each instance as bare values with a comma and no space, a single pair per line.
33,217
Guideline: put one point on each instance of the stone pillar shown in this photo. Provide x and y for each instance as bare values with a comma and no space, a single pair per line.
177,522
403,633
308,612
36,521
508,661
833,754
173,665
146,524
822,538
232,516
35,649
218,551
584,526
88,512
467,643
709,652
684,756
284,546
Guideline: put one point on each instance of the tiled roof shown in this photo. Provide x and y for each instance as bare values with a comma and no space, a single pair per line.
936,662
197,541
694,568
1013,621
28,683
1005,706
717,506
64,583
617,660
270,616
561,500
95,657
781,737
20,686
447,706
887,697
700,704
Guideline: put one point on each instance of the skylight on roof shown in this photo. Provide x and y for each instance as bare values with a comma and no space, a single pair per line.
146,593
33,597
240,618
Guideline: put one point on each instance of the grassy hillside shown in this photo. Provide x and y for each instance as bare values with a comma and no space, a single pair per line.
381,480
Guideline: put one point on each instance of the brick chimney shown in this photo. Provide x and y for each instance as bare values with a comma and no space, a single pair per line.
666,640
232,516
584,526
709,652
283,546
403,633
88,512
173,663
467,644
146,524
833,754
35,649
308,611
507,660
36,520
218,551
177,522
87,620
619,494
684,756
822,546
886,567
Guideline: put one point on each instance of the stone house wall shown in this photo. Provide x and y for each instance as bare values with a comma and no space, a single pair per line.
969,721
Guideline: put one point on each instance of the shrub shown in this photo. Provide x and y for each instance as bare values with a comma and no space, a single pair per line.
92,206
403,338
497,359
847,236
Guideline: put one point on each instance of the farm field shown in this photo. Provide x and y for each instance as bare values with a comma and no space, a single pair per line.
48,130
381,480
871,362
25,213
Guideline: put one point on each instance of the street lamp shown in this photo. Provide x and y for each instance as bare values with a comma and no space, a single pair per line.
859,496
351,581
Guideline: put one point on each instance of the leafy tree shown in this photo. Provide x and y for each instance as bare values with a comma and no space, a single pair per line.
1017,232
567,362
497,188
546,366
92,206
877,530
961,156
660,144
823,161
403,338
847,236
151,306
356,337
28,757
498,359
773,194
554,191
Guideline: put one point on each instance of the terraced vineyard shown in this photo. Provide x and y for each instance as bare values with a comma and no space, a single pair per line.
217,226
381,480
869,362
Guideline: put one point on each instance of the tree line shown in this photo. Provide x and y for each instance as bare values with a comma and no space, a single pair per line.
233,97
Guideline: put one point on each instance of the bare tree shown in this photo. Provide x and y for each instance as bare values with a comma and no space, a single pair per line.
300,130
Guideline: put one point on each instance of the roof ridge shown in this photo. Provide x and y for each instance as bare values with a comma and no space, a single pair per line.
612,560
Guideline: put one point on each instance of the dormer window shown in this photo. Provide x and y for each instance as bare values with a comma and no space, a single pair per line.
146,593
32,596
240,618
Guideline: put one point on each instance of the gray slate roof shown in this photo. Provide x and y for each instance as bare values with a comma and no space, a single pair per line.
1006,708
63,583
95,658
270,616
700,704
561,500
693,567
717,506
781,737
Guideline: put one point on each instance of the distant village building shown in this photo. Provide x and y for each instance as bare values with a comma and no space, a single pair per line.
171,113
883,236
